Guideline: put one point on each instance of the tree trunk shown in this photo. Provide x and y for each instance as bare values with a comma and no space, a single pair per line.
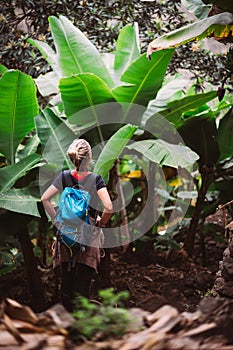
114,185
150,214
36,292
207,177
124,229
41,234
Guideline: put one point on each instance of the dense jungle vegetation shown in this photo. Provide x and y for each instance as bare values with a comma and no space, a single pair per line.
160,125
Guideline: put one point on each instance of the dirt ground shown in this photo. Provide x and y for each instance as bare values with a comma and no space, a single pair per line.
172,278
158,278
152,280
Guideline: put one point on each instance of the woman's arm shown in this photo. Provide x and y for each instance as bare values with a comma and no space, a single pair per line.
46,201
107,203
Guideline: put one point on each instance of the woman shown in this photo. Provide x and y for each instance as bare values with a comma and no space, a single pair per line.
76,277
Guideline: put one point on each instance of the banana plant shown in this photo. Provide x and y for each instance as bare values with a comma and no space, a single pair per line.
113,149
71,46
55,137
163,153
92,98
86,84
214,146
18,105
3,69
139,79
88,98
219,26
198,125
86,90
18,201
174,111
125,53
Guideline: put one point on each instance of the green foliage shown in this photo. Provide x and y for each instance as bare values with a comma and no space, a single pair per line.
17,115
165,242
225,136
104,320
81,75
91,90
21,201
17,54
99,20
54,133
3,69
142,80
127,47
176,110
197,7
206,294
11,173
219,26
10,256
163,153
69,41
87,84
113,149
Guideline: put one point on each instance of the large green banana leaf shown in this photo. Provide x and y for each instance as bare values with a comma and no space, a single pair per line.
165,153
18,106
174,110
127,48
47,84
173,87
144,78
84,91
219,26
55,137
11,173
113,149
197,7
200,134
19,200
75,53
225,136
48,53
30,147
3,69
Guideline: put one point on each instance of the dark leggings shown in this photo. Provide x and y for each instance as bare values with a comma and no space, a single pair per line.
75,280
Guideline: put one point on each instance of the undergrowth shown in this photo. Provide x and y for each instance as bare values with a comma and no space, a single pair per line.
100,320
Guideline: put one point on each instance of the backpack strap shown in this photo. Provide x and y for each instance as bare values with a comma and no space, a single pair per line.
91,180
56,230
72,182
63,180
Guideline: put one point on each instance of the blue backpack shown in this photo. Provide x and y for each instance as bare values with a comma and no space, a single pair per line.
72,222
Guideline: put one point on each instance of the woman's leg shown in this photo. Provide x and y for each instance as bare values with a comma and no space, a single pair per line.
67,285
83,279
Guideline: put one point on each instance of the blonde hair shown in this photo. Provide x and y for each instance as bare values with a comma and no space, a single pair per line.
80,154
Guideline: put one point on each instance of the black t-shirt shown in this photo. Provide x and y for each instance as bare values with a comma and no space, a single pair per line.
90,183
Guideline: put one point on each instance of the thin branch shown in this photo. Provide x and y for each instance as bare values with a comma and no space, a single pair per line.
221,206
